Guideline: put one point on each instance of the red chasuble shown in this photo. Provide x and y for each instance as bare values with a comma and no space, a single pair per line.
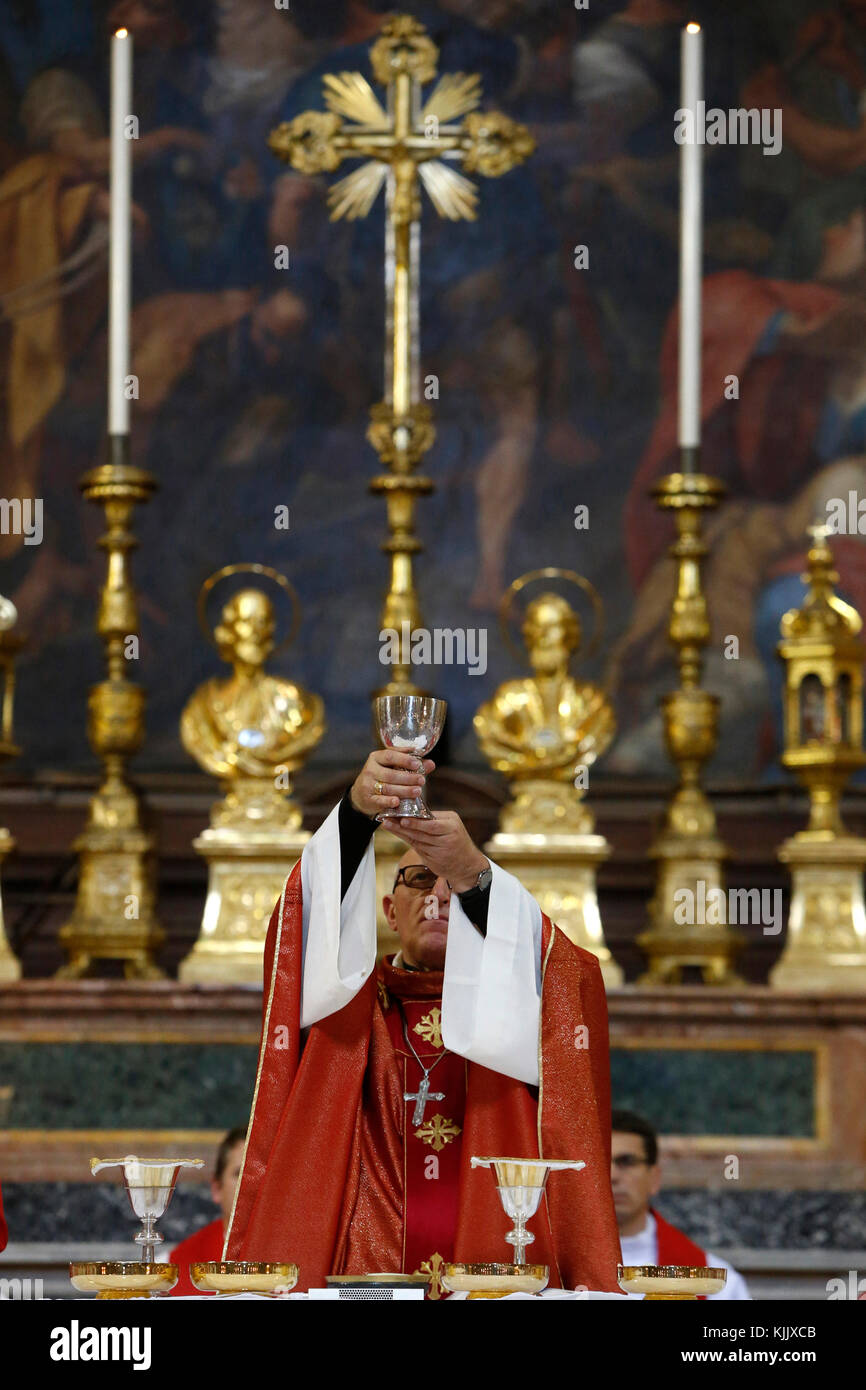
203,1245
339,1178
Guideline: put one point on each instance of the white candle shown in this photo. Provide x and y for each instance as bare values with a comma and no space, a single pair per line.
119,261
691,239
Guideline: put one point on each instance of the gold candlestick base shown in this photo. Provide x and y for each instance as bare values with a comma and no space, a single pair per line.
688,851
113,918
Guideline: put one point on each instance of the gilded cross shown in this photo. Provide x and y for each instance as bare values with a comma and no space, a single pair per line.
411,140
430,1027
439,1131
434,1267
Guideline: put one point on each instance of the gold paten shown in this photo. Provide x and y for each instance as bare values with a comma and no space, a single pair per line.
252,731
244,1276
544,732
667,1282
688,849
10,645
122,1278
114,913
494,1280
823,655
408,141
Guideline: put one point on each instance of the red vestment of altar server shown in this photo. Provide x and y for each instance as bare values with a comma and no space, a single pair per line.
199,1248
325,1176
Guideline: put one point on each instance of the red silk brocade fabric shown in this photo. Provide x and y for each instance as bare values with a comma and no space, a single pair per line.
338,1178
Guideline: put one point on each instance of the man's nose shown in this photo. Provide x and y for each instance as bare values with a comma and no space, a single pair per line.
443,892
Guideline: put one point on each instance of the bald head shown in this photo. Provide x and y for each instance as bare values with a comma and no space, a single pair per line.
419,916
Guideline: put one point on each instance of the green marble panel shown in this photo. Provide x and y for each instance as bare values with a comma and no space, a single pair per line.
127,1085
718,1090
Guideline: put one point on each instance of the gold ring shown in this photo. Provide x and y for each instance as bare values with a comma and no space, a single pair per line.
378,788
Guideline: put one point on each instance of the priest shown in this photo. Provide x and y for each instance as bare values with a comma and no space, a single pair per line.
486,1034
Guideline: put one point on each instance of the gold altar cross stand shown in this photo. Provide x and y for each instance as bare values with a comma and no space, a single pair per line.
405,143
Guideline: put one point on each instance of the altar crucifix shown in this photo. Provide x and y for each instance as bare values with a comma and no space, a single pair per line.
409,141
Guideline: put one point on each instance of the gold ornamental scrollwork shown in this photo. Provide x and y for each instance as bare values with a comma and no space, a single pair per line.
403,47
495,143
308,142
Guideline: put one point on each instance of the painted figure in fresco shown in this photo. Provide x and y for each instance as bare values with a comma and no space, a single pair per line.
53,229
793,437
821,90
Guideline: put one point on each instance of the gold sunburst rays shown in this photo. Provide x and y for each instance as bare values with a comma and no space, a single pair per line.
454,94
353,196
452,195
349,94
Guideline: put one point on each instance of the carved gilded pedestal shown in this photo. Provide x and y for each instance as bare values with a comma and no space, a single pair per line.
9,967
10,643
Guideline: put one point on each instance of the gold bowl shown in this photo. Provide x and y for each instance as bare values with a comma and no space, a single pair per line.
243,1276
671,1281
494,1280
122,1278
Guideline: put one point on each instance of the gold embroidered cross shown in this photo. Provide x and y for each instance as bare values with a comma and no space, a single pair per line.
434,1267
430,1027
437,1132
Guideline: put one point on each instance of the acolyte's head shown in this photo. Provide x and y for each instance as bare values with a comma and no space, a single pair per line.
635,1175
227,1171
417,910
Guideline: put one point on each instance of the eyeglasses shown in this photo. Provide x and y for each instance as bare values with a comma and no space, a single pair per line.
626,1161
417,876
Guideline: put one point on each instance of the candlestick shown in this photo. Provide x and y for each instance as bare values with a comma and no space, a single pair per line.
691,249
114,913
120,233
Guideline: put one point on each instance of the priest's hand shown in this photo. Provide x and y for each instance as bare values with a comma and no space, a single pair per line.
444,845
386,777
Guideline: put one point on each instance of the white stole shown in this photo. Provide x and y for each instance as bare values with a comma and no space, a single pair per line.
491,996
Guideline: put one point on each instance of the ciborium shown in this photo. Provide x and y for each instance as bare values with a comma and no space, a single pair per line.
665,1282
493,1280
226,1278
521,1183
410,724
149,1187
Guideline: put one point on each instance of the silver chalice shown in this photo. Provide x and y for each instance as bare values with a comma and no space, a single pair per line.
411,724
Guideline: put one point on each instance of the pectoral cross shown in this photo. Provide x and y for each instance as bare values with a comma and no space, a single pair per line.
410,140
421,1097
